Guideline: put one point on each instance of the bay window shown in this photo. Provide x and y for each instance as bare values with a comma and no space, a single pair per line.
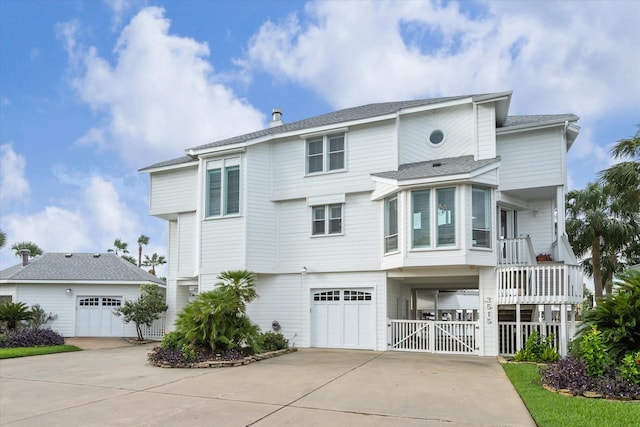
446,217
391,224
481,217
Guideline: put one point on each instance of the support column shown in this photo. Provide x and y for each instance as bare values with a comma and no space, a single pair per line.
563,330
518,328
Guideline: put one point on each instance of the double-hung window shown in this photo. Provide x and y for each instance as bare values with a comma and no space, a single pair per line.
446,217
223,187
481,217
326,219
421,219
325,153
391,224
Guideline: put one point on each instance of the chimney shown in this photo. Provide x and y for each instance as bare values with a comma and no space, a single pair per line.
25,256
276,118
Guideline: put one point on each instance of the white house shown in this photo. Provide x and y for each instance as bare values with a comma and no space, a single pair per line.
81,289
359,221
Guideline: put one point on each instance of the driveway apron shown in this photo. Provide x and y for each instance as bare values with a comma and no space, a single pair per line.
311,387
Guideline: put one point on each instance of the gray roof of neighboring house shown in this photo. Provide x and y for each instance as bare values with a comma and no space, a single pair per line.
78,267
538,119
439,167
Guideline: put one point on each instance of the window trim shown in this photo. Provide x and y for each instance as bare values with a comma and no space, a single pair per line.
326,153
326,219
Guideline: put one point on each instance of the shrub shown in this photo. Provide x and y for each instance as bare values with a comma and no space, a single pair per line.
569,374
593,351
617,317
39,317
217,319
629,367
14,313
537,349
145,309
272,341
30,338
171,340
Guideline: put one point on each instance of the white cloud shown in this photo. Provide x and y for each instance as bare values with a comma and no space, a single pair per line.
160,96
13,184
565,55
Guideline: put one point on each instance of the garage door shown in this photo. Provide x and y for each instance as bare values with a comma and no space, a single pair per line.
95,318
343,318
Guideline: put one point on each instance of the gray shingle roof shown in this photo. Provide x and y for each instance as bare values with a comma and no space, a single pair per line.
341,116
439,167
538,119
78,267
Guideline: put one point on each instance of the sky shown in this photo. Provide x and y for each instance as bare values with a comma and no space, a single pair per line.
92,91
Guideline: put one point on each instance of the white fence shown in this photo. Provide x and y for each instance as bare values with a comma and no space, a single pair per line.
451,337
508,335
155,331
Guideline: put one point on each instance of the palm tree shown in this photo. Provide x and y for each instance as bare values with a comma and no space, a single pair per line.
152,261
3,238
34,249
13,313
594,227
120,246
142,240
624,177
241,284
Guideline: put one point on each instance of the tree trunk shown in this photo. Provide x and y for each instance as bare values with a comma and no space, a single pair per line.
139,330
597,268
139,255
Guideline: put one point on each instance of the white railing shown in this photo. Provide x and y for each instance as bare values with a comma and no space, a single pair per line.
508,336
515,251
540,284
451,337
155,331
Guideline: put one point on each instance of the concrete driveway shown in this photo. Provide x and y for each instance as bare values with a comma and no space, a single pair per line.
312,387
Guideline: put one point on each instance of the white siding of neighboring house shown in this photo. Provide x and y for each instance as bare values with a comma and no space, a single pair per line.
54,299
186,244
261,212
415,129
486,136
531,159
173,191
538,222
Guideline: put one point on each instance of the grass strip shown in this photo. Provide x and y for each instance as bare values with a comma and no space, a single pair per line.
550,409
8,353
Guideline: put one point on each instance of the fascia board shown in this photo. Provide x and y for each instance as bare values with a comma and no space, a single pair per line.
79,282
170,167
437,106
527,127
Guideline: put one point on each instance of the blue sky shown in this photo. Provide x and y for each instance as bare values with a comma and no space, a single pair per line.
92,91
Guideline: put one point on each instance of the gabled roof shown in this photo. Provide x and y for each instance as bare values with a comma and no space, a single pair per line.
80,267
435,168
336,117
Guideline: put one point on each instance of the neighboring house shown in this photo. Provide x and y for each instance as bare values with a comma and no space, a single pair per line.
82,289
362,222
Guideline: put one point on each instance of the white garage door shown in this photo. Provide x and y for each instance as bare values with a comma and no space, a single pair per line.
95,318
343,318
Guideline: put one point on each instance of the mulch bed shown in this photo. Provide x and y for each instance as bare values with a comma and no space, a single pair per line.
219,362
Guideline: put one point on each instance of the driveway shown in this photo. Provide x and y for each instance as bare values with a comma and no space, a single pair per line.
311,387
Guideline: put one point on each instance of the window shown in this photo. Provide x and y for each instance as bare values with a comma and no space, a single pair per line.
391,224
326,219
421,219
481,217
446,217
223,187
326,153
327,296
357,296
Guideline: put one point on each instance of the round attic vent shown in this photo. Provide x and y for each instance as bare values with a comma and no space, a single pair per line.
436,137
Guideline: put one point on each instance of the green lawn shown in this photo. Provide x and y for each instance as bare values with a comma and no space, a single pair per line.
8,353
551,409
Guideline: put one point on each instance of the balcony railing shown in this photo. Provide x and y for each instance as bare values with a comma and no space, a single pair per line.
540,284
515,251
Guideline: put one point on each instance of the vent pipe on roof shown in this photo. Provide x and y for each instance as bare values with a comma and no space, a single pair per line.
25,256
276,118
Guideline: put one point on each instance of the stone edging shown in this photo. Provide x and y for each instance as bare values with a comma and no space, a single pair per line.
227,363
